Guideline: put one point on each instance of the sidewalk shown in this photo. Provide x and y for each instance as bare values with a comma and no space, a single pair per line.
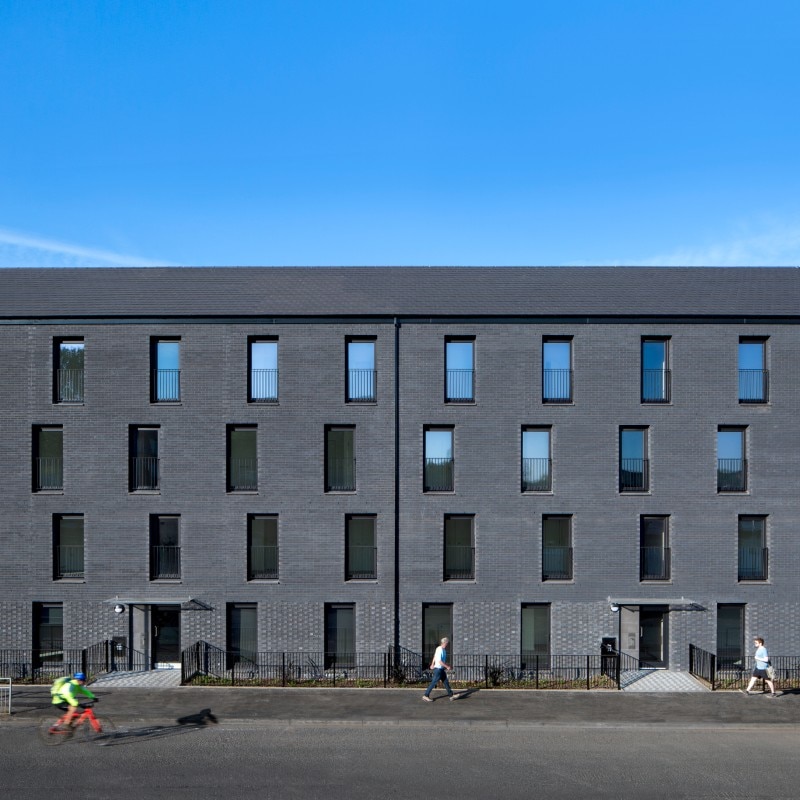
404,707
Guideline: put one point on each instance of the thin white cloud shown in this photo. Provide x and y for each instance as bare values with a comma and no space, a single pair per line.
23,250
775,246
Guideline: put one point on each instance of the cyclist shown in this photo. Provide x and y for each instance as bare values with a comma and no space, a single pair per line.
63,692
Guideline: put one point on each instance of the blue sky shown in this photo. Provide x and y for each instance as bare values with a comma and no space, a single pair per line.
144,132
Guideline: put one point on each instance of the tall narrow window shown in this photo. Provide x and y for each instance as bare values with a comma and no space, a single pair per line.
536,461
48,458
263,382
730,635
165,549
242,633
753,372
165,385
656,374
753,552
262,550
439,463
68,546
340,635
242,459
634,464
361,554
340,460
556,548
437,624
731,461
48,633
144,459
557,371
459,371
361,375
654,557
535,635
68,377
459,548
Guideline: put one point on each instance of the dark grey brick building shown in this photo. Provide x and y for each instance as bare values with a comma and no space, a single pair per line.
528,459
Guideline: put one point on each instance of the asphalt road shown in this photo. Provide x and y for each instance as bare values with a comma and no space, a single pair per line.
248,759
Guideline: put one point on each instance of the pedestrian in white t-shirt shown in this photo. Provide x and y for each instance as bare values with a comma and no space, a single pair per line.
440,666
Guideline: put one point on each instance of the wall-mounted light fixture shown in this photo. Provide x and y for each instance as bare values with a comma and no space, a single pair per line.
119,608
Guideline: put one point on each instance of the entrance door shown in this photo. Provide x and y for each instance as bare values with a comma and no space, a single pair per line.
165,624
653,636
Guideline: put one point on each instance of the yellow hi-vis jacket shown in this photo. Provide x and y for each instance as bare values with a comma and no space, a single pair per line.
64,690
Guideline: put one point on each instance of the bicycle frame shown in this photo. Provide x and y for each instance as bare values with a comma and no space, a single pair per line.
87,715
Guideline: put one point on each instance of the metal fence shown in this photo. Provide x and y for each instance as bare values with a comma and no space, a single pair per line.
33,666
40,666
203,663
731,672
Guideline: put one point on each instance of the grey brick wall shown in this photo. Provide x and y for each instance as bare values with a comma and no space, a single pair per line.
487,445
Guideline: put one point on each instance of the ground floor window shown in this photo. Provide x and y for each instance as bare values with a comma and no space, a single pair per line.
730,635
48,633
437,622
535,635
340,635
242,632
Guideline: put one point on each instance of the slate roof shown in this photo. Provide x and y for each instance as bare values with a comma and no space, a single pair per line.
399,291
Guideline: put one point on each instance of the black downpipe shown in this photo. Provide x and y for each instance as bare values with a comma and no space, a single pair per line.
397,488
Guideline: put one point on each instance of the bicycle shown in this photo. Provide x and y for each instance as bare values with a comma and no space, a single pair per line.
90,727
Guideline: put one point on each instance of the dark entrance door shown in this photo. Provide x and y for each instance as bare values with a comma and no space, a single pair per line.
653,636
165,624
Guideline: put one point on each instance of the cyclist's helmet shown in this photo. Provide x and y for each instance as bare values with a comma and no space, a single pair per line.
79,676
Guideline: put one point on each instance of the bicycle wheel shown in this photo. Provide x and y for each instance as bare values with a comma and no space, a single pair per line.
106,734
51,737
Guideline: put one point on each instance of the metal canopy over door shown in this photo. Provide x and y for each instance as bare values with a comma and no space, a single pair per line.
165,628
653,636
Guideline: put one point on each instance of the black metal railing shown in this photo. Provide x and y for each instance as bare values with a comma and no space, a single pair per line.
49,473
753,385
362,563
40,666
536,475
263,562
654,563
69,385
459,562
202,663
205,664
731,475
556,563
556,385
166,385
165,562
439,474
341,475
362,386
263,385
703,665
733,671
243,475
753,563
144,473
634,475
656,385
459,386
69,561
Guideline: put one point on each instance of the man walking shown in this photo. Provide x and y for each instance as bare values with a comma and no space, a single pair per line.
439,666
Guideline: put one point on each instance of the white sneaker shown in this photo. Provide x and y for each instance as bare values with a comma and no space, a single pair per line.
426,698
